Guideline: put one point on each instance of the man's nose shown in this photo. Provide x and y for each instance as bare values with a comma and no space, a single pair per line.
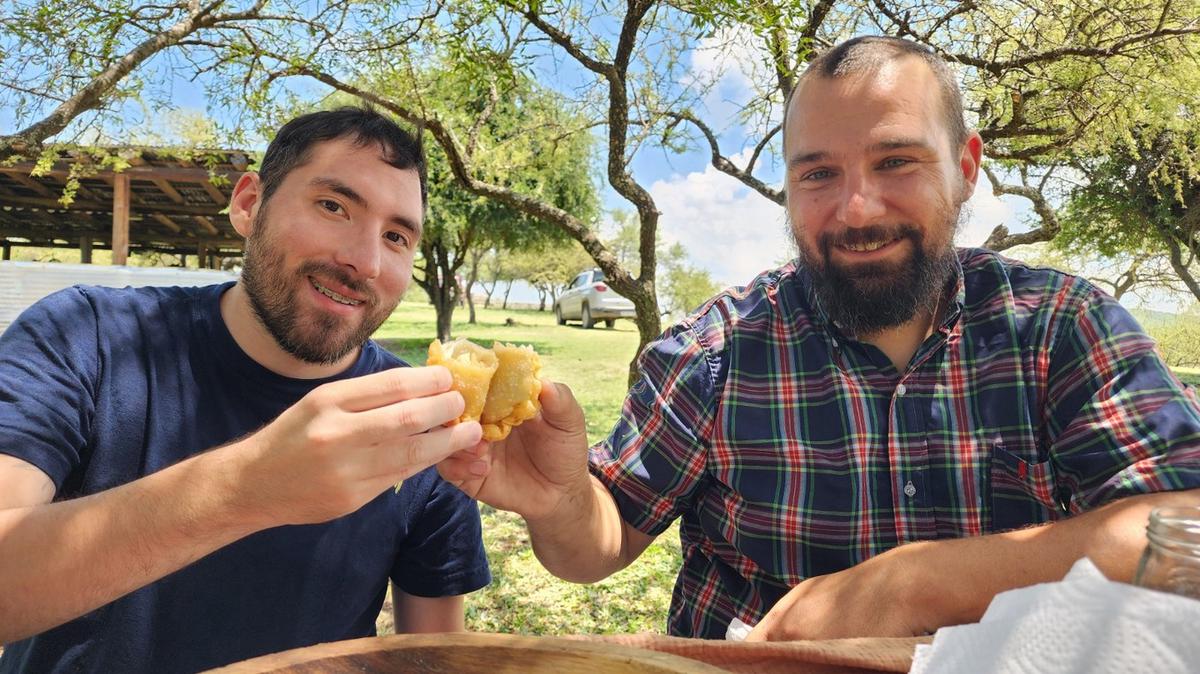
860,202
362,251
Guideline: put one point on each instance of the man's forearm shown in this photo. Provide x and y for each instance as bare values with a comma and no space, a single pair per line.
61,560
585,539
974,570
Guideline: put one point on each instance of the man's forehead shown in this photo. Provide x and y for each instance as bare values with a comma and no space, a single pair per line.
895,91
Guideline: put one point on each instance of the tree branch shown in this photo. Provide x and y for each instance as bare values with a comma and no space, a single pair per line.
1000,239
723,164
563,40
92,95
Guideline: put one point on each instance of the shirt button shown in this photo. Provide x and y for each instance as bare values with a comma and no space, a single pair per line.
901,390
909,490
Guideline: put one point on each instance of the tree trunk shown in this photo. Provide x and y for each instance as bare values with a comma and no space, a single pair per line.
506,293
648,322
1181,267
441,286
472,277
445,317
541,299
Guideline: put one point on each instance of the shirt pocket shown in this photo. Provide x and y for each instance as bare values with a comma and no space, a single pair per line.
1022,492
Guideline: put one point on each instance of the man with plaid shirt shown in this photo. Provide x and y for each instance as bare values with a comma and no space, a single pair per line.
877,438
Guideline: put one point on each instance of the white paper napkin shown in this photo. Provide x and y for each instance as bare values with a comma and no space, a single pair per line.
1082,624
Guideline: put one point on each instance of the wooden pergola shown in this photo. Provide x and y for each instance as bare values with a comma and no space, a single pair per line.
160,202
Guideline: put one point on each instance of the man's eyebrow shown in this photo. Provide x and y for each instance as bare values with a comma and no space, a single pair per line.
339,187
807,158
414,227
801,158
901,144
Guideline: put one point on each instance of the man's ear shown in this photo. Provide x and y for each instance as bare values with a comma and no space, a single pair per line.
969,161
244,203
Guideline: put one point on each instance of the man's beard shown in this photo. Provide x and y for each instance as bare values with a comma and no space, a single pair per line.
866,299
319,339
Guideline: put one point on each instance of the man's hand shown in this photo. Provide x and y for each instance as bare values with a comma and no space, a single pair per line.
346,442
882,597
541,473
539,465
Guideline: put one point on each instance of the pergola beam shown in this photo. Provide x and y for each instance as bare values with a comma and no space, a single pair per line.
185,175
54,205
101,238
120,219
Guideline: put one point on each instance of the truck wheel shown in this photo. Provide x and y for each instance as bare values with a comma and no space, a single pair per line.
586,319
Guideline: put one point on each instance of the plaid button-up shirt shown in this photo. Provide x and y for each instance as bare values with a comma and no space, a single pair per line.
791,450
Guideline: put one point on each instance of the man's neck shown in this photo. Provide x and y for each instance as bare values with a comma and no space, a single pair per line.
900,343
253,338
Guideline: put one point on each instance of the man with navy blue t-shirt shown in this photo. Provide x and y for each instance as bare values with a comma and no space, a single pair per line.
195,476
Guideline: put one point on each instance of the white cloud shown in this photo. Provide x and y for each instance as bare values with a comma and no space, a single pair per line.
725,227
730,61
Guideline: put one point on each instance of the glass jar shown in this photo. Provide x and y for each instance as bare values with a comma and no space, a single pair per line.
1171,561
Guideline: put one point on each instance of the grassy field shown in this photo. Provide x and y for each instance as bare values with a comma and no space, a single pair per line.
1189,375
523,598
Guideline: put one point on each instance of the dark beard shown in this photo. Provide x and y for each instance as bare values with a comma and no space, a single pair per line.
868,299
323,340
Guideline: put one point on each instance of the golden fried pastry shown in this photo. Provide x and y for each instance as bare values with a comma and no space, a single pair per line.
513,396
499,385
471,367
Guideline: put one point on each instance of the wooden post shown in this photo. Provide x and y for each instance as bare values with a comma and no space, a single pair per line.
201,255
120,233
85,249
183,260
7,250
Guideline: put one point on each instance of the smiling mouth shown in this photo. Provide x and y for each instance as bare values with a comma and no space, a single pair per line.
867,247
340,299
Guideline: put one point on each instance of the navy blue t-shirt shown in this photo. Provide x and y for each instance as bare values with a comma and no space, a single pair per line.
99,387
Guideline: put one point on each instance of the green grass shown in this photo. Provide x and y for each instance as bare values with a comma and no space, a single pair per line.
1189,375
523,598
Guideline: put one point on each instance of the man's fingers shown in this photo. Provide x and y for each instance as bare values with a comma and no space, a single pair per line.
408,417
559,407
426,449
388,387
463,467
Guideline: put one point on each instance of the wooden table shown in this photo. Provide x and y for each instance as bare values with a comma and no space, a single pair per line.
652,654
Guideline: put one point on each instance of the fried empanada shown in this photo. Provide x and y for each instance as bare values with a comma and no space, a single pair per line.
499,385
513,396
471,367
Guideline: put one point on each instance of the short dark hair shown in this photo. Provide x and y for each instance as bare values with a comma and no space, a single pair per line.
294,142
867,53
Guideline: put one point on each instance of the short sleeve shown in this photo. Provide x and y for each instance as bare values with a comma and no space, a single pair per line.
1119,422
654,460
48,372
443,553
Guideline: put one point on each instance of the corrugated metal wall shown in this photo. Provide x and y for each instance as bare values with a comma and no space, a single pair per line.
23,283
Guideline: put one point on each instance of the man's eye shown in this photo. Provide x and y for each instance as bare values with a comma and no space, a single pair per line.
819,174
893,162
330,205
396,237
